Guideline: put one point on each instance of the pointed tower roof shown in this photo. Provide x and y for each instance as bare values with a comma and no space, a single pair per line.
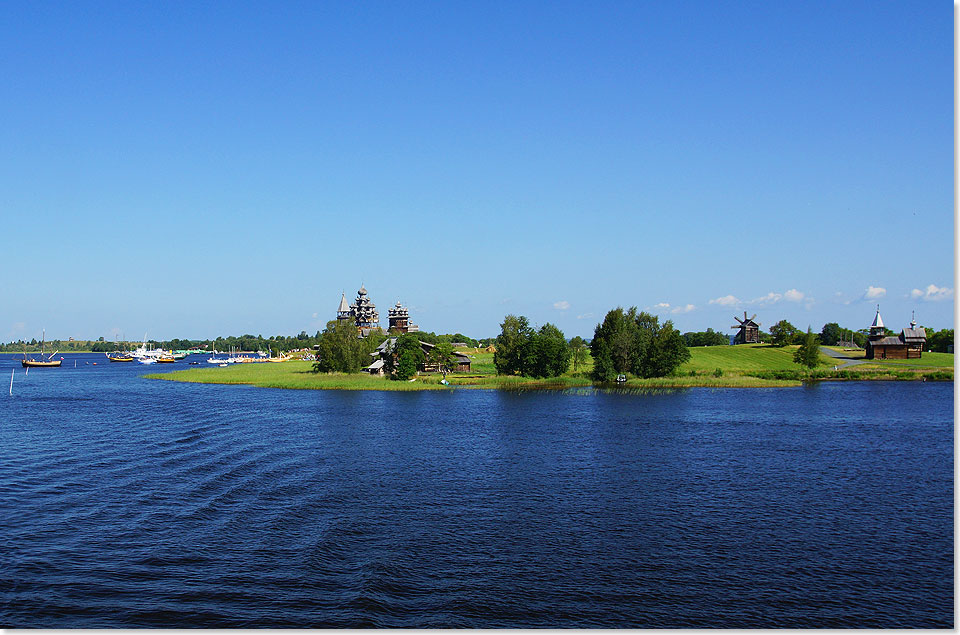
877,321
344,307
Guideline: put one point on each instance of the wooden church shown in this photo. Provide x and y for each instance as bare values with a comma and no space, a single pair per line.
749,332
908,345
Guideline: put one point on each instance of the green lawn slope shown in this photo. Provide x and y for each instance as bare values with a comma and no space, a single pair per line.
744,357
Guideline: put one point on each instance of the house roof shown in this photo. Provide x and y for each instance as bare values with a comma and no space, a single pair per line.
915,335
344,307
888,341
383,345
377,365
877,321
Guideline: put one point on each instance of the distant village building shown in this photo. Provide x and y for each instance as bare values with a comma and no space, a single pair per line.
749,330
363,312
386,347
908,345
399,319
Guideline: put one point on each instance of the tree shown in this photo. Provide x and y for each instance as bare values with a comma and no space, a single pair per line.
618,337
522,351
578,352
404,357
782,333
603,369
442,355
809,352
666,353
515,333
628,341
547,353
340,349
938,341
706,338
830,334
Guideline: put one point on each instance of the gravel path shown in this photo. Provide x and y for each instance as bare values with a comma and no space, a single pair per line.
838,356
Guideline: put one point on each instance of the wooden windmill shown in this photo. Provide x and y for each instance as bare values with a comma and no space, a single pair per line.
749,330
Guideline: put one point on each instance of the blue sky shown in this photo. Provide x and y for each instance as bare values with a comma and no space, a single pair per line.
193,170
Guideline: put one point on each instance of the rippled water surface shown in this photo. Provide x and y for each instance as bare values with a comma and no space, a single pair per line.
127,502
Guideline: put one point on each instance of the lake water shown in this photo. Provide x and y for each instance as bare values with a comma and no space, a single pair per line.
126,502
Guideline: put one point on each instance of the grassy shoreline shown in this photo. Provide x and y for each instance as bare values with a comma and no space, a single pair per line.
748,366
299,376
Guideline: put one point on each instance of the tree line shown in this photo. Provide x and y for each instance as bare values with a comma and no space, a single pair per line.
626,342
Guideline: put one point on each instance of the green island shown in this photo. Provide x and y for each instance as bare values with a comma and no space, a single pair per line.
743,366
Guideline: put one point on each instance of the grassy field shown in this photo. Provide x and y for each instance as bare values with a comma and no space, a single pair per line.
751,365
745,357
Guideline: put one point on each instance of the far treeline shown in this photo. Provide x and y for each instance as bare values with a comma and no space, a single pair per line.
526,351
275,344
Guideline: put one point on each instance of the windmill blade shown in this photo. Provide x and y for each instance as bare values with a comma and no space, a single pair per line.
753,318
738,319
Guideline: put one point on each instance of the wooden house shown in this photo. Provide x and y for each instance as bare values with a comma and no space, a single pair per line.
385,349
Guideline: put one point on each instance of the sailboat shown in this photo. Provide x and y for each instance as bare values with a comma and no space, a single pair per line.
40,363
120,356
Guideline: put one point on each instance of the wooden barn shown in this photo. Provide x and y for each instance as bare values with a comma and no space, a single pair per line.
749,330
908,345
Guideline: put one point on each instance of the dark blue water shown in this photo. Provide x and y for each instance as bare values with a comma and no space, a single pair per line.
127,502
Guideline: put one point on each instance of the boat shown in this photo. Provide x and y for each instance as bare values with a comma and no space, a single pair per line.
166,359
40,363
119,357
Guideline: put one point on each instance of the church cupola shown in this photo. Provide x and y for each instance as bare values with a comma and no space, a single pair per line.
876,329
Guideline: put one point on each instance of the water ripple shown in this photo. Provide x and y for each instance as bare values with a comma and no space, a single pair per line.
151,504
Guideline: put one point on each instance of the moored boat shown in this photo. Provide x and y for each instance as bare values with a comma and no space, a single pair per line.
50,362
39,363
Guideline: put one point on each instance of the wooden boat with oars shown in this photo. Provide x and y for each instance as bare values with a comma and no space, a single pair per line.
50,362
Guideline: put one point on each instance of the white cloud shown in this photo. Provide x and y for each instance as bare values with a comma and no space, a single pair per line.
770,298
727,300
562,305
315,315
585,316
793,295
665,306
932,293
874,293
